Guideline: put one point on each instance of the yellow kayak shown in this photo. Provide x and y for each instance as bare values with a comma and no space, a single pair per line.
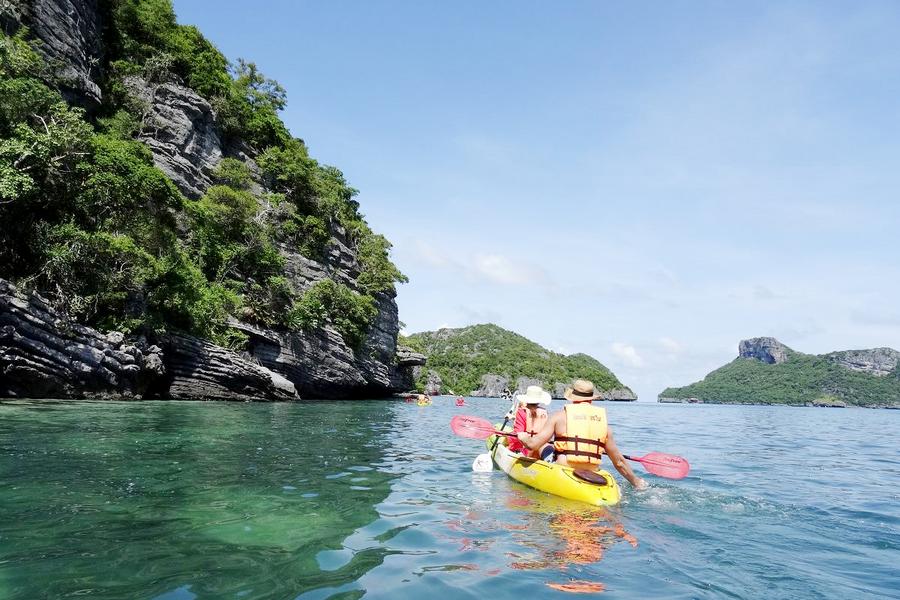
555,479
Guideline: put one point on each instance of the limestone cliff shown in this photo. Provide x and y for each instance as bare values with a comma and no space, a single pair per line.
765,349
879,362
45,353
70,32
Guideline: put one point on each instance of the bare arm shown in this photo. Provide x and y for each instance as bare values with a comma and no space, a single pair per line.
541,437
620,463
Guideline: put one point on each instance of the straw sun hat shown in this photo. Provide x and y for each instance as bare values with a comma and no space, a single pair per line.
534,394
581,391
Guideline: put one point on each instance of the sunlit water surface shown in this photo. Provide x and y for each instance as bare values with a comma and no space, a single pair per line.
183,500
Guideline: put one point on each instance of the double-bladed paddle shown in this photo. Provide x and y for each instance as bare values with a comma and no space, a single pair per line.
656,463
475,428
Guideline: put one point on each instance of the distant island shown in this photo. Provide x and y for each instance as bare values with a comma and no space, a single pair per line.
768,372
487,360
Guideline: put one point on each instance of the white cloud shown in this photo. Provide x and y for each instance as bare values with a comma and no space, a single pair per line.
492,267
627,354
671,346
501,269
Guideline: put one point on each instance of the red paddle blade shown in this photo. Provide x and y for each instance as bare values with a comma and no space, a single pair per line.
665,465
471,427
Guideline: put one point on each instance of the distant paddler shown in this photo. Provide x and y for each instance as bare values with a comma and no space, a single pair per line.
423,400
581,434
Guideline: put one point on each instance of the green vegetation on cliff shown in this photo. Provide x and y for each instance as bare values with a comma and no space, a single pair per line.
802,379
462,356
109,239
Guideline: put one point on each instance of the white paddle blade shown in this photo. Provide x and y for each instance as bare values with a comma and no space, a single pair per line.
483,463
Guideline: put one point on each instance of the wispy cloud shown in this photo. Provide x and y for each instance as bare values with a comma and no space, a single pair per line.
490,267
506,271
671,346
627,355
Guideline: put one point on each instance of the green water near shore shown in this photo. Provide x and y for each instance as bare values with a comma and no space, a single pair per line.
135,500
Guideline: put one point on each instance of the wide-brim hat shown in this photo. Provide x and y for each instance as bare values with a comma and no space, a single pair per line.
581,391
534,394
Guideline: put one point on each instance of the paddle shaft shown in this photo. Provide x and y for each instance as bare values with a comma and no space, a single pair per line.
505,420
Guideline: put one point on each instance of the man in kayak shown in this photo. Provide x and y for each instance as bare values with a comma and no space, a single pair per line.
581,434
531,417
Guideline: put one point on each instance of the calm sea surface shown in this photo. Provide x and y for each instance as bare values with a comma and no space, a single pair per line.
183,500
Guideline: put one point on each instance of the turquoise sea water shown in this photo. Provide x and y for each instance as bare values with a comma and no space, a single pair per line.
182,500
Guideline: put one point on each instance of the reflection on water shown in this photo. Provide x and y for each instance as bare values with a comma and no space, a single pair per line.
553,535
565,536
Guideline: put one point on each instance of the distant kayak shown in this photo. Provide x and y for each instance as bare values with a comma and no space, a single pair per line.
555,479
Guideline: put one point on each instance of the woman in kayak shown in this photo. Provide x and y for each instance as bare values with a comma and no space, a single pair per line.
581,434
531,417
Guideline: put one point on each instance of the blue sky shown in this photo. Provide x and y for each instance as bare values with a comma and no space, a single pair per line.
647,184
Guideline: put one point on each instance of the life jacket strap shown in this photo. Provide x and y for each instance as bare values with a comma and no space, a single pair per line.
579,440
598,453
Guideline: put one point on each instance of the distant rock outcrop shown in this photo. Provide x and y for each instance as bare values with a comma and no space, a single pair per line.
765,349
433,384
618,395
492,386
522,384
879,362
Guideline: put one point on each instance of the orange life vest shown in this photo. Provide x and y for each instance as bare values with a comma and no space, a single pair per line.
586,431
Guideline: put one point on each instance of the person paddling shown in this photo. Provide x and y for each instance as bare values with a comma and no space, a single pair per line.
531,417
582,434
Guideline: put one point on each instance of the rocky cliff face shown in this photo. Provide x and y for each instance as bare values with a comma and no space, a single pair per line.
70,32
180,128
45,355
879,362
764,349
181,131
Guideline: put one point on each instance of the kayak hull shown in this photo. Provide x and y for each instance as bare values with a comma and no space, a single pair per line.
553,478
